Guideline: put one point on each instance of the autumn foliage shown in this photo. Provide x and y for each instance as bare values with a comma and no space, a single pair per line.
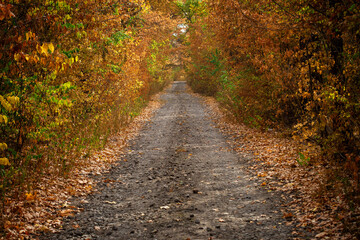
72,73
292,64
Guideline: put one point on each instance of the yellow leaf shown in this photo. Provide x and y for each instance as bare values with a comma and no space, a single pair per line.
4,162
17,57
3,146
263,184
28,35
76,58
51,47
44,49
38,48
13,99
3,119
5,103
16,99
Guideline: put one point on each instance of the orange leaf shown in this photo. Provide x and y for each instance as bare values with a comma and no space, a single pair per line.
288,215
30,197
66,212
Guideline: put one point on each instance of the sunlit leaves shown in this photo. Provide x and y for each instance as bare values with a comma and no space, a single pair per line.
3,146
29,35
45,48
288,63
14,100
51,47
192,9
5,104
3,119
4,162
72,73
300,68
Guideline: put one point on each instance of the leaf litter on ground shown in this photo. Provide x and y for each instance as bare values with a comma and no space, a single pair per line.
42,209
274,161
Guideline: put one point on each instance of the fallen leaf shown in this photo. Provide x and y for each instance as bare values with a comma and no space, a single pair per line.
66,212
321,235
287,215
76,226
30,197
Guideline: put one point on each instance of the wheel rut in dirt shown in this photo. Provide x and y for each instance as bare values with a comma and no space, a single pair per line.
180,180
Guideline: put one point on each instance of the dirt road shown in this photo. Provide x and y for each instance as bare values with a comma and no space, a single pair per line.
180,180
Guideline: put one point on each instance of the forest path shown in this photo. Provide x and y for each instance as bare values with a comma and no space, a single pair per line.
180,180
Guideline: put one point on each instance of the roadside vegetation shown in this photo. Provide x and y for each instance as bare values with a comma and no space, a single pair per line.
291,66
73,73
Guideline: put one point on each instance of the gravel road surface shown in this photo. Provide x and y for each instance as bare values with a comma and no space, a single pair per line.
180,180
